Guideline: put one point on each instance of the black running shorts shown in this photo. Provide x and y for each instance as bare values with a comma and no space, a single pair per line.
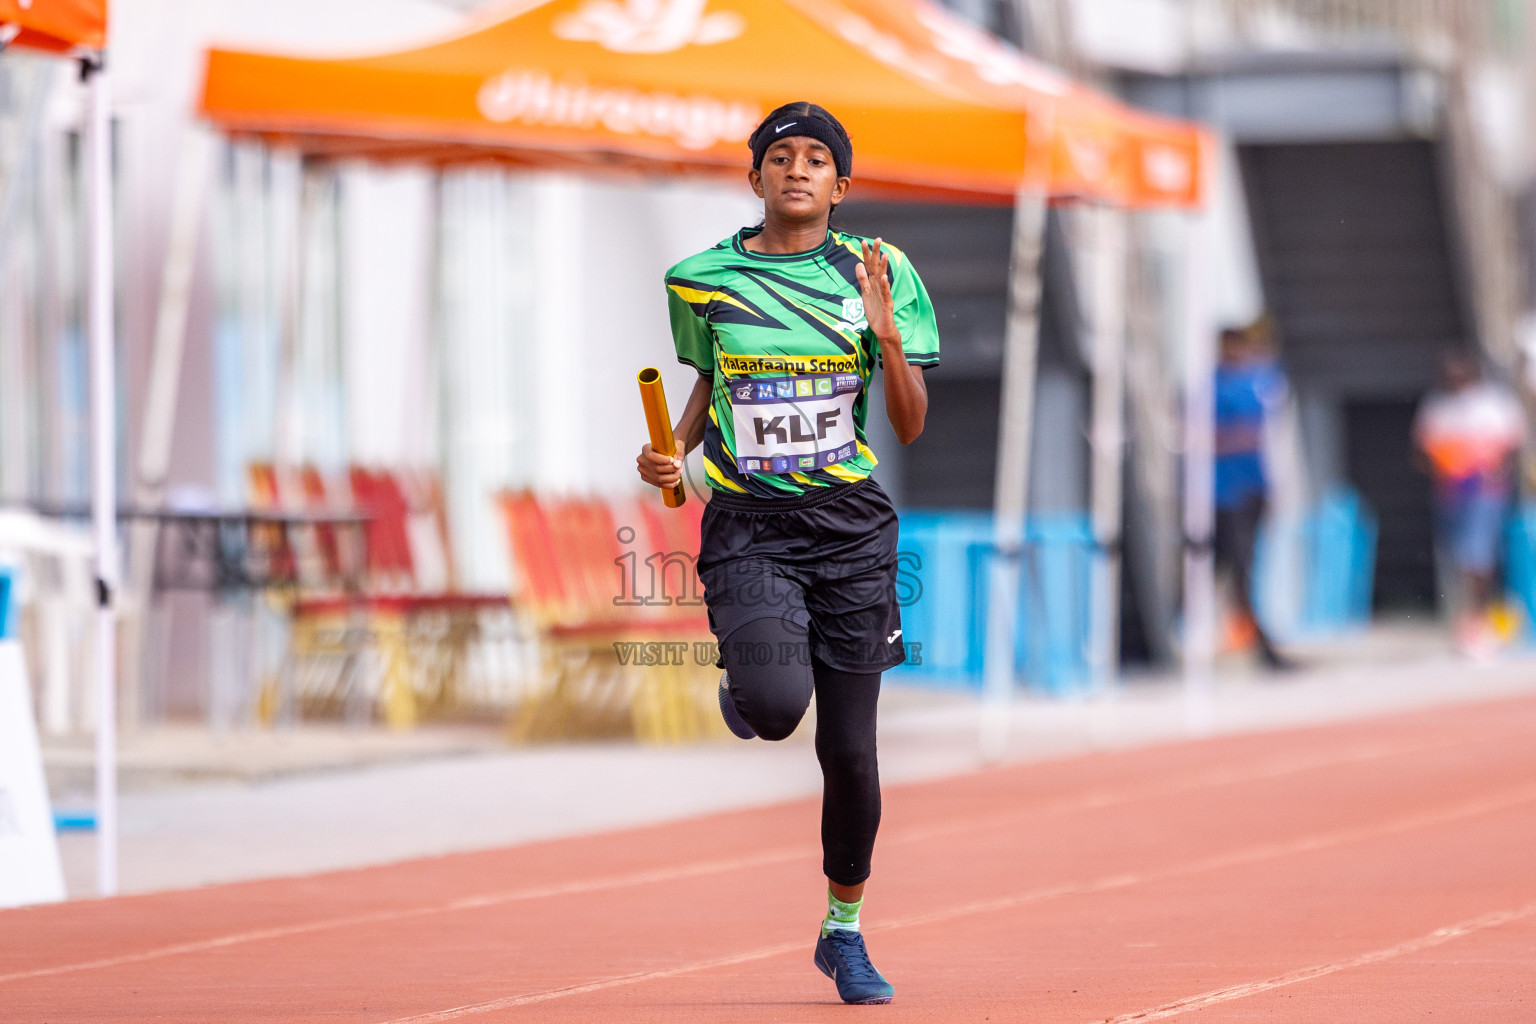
824,563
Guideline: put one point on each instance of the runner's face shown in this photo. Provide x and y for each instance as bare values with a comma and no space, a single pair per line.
798,180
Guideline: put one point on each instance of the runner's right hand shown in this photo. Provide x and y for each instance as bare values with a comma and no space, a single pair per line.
659,470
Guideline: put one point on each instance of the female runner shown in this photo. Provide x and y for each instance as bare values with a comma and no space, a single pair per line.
785,324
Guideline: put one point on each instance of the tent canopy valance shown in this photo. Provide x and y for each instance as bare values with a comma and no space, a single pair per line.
1103,150
933,105
57,26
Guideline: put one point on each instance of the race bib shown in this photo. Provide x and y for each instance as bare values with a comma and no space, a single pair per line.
794,424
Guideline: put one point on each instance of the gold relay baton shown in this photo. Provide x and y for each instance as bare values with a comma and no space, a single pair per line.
654,397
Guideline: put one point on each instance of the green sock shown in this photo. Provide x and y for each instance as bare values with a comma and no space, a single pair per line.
841,915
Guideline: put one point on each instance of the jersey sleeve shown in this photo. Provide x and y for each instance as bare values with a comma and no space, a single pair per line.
690,334
915,319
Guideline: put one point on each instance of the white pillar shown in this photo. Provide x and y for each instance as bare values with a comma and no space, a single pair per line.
103,473
193,173
559,309
292,194
1199,468
1107,227
1011,494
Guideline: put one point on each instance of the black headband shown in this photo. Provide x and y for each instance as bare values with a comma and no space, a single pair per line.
811,126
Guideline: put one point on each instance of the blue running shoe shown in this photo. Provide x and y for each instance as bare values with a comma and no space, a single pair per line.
842,957
733,719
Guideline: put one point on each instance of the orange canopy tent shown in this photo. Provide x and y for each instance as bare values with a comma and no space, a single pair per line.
1103,150
58,26
933,105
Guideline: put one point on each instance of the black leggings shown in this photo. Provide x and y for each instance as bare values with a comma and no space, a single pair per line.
1237,542
772,675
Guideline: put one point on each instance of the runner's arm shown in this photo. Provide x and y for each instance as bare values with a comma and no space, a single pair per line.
906,396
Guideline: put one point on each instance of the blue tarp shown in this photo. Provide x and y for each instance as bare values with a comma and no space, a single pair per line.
943,586
1315,575
1520,561
7,603
943,583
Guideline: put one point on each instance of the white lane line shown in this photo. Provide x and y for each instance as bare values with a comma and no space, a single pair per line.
1277,768
1253,988
667,874
509,1002
1274,769
1251,855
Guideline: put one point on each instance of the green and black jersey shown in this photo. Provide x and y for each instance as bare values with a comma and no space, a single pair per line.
785,339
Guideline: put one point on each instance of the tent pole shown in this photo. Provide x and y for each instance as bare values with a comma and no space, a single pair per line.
1199,470
103,471
1011,494
1107,438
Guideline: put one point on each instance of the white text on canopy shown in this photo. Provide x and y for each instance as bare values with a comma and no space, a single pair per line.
693,122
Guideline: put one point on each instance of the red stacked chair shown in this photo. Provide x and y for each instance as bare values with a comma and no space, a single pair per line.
378,494
600,631
398,646
327,543
267,493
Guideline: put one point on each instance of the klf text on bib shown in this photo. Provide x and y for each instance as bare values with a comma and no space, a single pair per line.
794,424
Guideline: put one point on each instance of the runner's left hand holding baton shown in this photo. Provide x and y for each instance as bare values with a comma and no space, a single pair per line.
659,463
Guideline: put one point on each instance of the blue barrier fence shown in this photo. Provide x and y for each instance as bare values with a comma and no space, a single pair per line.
1315,575
74,821
1344,532
1520,561
945,566
7,603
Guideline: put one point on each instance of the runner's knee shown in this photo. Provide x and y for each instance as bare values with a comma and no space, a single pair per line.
855,767
770,684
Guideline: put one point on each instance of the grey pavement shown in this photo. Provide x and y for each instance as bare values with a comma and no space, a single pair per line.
199,809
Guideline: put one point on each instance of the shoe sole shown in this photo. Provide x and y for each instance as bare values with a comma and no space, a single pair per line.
726,709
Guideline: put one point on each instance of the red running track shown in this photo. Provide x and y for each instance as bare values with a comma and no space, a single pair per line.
1375,871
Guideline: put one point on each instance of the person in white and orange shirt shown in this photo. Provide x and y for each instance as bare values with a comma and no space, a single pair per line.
1469,433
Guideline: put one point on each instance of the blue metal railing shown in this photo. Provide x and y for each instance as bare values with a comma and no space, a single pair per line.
945,566
1520,561
1315,575
7,603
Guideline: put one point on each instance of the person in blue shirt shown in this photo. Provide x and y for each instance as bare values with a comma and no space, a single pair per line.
1249,387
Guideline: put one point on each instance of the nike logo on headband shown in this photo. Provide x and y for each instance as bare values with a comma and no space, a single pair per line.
783,126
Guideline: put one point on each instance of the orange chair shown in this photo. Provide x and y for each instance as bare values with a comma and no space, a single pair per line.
615,661
390,645
328,544
390,569
673,535
266,493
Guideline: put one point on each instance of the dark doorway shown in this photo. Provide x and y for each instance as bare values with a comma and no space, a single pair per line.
1379,461
954,465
